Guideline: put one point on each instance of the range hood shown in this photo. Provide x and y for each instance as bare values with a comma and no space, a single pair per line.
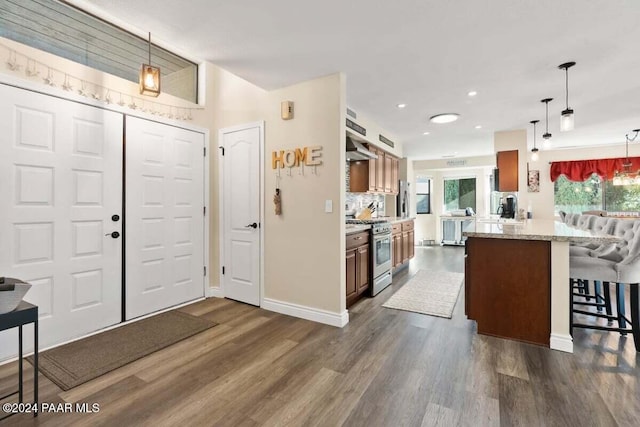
357,151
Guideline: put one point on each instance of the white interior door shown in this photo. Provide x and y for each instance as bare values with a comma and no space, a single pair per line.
241,212
61,182
164,244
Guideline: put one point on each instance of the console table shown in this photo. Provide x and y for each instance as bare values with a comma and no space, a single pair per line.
23,314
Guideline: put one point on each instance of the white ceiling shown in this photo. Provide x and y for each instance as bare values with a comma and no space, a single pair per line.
427,54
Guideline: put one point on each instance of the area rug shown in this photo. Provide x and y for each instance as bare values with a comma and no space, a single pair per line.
428,292
80,361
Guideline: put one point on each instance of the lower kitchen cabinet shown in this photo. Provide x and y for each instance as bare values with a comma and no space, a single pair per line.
396,241
352,288
403,240
357,266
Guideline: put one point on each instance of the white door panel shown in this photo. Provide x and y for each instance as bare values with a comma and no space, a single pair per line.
165,219
61,181
241,207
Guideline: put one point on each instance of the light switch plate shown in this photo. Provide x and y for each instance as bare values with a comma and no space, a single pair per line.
328,206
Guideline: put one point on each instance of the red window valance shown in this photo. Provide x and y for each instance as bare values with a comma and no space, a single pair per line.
580,170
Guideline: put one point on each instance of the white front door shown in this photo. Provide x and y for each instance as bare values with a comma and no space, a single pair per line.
241,170
164,244
61,183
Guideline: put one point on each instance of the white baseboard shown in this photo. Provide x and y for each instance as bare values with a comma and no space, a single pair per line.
215,292
314,314
561,342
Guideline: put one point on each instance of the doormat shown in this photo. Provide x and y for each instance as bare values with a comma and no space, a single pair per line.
428,292
80,361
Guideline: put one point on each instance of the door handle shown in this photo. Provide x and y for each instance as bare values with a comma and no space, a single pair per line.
115,234
254,225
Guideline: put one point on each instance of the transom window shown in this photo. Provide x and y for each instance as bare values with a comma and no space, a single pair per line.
65,31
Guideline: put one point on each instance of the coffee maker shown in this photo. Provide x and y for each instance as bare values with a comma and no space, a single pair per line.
508,207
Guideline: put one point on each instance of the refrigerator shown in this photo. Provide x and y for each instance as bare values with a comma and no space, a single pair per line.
402,201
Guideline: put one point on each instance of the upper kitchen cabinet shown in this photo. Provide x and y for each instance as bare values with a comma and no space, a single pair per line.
507,162
395,167
375,175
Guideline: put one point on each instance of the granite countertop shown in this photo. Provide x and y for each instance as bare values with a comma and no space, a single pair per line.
356,228
535,229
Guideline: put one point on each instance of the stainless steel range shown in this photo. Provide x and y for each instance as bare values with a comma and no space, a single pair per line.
381,256
380,252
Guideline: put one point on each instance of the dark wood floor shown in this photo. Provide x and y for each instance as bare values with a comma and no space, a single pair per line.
385,368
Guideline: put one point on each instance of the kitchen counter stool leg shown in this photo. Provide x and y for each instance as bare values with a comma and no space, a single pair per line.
607,298
597,289
635,314
622,323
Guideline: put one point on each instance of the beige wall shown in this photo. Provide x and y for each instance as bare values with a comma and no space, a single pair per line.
304,247
230,101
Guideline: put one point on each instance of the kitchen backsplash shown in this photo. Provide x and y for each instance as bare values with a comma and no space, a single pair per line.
359,200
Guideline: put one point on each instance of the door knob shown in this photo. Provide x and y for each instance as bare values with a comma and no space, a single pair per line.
115,218
254,225
115,234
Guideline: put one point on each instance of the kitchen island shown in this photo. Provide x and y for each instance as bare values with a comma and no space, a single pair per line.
517,280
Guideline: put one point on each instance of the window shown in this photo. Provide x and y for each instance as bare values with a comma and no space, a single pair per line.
595,194
65,31
423,195
459,194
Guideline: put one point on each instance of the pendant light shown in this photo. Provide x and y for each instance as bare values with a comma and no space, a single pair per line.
566,118
626,176
149,77
547,136
534,150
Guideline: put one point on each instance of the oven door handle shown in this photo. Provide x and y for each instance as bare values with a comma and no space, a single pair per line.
382,236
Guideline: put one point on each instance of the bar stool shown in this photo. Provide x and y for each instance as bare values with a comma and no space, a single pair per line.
597,225
620,265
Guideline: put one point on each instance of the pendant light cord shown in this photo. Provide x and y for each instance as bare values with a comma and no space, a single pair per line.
149,48
566,73
547,121
534,135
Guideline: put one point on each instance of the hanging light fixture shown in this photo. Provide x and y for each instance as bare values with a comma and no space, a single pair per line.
626,176
566,117
547,136
149,77
534,150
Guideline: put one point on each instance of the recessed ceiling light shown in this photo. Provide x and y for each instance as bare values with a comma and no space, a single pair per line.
401,105
478,126
425,133
444,118
472,93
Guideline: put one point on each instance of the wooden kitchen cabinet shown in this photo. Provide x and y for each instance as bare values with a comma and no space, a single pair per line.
509,302
388,166
403,241
380,171
357,266
376,175
373,168
352,287
362,273
507,162
395,165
